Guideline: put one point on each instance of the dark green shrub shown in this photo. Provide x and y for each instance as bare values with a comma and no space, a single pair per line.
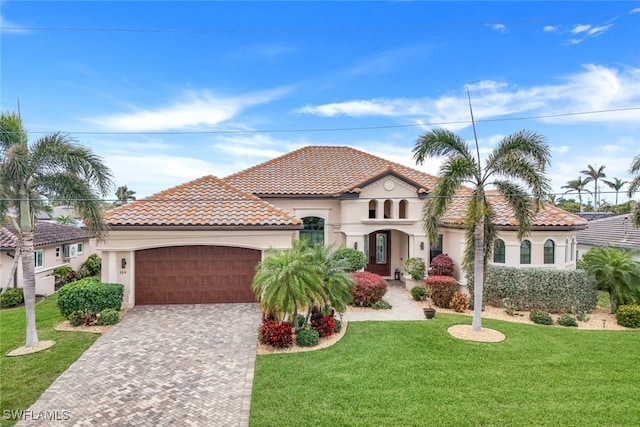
381,305
89,294
307,338
567,320
354,259
83,317
298,321
419,293
442,289
441,265
583,316
93,265
338,325
554,291
108,316
540,317
82,273
12,297
459,302
628,316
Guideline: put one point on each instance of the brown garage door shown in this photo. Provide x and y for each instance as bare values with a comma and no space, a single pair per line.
195,275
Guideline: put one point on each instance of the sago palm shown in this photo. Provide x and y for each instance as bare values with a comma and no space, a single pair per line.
54,167
634,186
523,156
615,272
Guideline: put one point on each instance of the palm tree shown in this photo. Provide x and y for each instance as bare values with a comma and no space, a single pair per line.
66,220
578,185
523,156
552,198
615,272
634,186
337,282
616,185
594,175
53,167
123,195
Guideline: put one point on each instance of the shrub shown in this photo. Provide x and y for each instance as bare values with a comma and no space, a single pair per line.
419,293
83,317
298,321
567,320
459,302
415,268
64,275
509,307
338,323
540,317
82,273
554,291
442,289
108,316
353,259
93,265
89,294
628,316
583,316
381,305
12,297
368,289
276,334
307,338
442,265
323,323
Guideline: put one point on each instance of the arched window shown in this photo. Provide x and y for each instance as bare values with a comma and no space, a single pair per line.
387,209
313,230
373,207
549,252
402,211
498,251
525,252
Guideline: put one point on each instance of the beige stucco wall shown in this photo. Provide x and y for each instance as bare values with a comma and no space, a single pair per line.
122,244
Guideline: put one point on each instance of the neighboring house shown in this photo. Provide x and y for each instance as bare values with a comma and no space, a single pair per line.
161,246
617,231
55,246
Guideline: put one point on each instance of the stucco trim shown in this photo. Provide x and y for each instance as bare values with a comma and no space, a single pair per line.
204,227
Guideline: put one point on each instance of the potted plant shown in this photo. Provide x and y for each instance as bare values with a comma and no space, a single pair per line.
429,312
415,270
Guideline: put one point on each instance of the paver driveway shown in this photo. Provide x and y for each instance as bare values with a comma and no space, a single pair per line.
164,365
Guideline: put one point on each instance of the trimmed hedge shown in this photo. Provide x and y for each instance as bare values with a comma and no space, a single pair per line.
307,338
628,316
442,289
554,291
369,288
353,258
89,294
12,297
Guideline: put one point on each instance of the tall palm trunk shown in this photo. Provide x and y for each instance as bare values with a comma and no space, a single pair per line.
478,274
29,284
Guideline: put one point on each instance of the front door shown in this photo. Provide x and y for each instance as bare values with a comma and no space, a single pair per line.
379,261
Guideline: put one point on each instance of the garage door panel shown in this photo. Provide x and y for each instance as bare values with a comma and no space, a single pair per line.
195,275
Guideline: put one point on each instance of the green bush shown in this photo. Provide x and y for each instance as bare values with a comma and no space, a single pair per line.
442,289
12,297
418,293
82,317
381,305
108,316
567,320
540,317
628,316
583,316
89,294
300,321
353,258
415,267
93,265
307,338
338,325
554,291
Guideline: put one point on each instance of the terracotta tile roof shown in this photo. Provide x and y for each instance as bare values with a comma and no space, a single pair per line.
321,171
548,216
617,231
46,233
207,201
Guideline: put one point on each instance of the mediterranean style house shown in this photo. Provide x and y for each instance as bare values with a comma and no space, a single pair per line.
55,246
200,242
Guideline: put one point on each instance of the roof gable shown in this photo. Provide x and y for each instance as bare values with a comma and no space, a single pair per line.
207,201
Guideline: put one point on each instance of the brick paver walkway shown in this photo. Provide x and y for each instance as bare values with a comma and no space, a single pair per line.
403,307
178,365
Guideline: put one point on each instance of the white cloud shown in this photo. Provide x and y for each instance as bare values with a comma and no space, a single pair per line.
197,108
580,28
598,30
636,10
560,149
499,27
549,29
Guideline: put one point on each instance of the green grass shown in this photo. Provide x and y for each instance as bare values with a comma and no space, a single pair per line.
25,378
415,373
603,300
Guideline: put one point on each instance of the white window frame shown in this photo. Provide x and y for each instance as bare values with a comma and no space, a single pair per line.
38,254
80,248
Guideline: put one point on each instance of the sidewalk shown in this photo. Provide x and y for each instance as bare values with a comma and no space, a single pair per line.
403,307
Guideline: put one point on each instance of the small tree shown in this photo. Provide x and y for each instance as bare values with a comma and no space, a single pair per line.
614,272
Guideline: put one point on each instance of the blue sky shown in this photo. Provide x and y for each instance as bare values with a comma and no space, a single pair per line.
167,92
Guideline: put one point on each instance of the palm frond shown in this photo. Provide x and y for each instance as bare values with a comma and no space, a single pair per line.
634,169
522,205
440,142
523,144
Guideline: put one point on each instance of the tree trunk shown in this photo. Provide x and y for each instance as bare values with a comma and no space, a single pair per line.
478,274
612,301
29,284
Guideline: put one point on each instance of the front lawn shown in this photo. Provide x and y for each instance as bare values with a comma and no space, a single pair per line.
415,373
25,378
